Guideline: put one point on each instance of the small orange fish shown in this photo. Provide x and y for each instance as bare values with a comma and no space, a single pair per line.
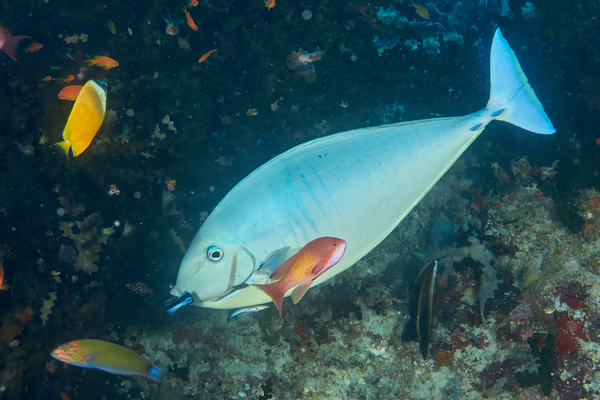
190,21
193,3
70,92
46,79
3,286
269,4
302,268
103,61
421,10
204,57
68,79
35,46
64,396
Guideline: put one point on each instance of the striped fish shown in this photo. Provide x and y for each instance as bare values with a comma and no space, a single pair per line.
106,356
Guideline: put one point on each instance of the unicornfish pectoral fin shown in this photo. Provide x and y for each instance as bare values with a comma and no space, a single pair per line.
175,304
271,263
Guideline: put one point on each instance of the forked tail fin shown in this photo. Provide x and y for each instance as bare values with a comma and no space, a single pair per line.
511,97
11,42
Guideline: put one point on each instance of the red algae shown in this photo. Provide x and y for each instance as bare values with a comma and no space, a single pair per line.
569,329
302,331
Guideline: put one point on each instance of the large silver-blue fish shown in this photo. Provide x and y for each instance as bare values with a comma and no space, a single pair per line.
356,185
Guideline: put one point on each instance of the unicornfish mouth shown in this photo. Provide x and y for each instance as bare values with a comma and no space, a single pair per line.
183,300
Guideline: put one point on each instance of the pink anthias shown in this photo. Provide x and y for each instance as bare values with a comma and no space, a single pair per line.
9,43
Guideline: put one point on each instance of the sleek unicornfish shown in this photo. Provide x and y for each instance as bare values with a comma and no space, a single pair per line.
106,356
357,185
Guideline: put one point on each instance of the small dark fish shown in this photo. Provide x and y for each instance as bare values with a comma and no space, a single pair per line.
421,308
183,300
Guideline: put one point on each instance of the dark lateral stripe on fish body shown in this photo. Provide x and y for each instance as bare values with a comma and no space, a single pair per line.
425,306
183,300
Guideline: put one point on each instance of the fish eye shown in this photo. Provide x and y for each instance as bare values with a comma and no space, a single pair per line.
215,253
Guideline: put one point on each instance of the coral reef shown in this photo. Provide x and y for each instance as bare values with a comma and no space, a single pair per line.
517,292
88,241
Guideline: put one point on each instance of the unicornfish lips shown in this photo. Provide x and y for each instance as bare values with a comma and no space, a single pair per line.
183,300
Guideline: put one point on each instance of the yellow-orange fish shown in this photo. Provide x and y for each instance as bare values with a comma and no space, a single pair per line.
106,356
70,92
205,56
68,79
46,79
85,119
3,285
302,268
269,4
102,61
189,19
35,46
421,10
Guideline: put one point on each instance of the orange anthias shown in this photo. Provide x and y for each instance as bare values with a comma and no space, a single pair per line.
9,43
269,4
302,268
103,61
70,92
190,21
35,46
205,56
3,285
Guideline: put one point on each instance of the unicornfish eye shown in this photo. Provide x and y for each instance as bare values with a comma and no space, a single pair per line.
215,253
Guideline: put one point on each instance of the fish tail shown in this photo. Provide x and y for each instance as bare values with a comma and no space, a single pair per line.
511,97
66,145
276,291
156,373
12,43
89,62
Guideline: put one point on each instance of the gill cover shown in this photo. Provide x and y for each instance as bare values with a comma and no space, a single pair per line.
210,270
